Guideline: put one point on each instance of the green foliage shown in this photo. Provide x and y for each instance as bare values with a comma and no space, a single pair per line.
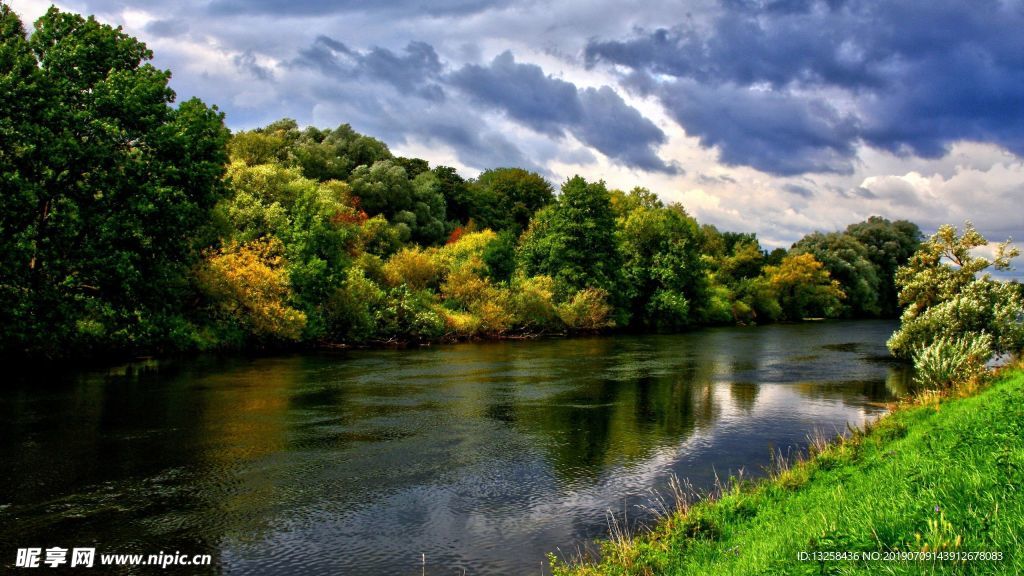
351,308
407,313
946,295
744,261
889,245
663,274
532,302
378,237
624,203
106,190
416,208
573,241
952,360
500,256
318,154
459,200
756,300
847,262
508,197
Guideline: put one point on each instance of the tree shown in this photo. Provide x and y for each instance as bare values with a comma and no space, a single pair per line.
889,245
249,286
516,194
804,288
664,277
846,260
458,200
573,241
947,295
107,193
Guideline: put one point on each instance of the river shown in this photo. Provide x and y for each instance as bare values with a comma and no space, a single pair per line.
475,458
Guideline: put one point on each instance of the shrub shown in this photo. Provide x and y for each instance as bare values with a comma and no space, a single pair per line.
351,306
249,284
408,313
412,267
464,288
461,323
952,360
587,310
532,302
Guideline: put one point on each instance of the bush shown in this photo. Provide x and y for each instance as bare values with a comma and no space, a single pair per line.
587,310
249,284
464,288
407,313
952,360
461,323
351,306
532,301
412,267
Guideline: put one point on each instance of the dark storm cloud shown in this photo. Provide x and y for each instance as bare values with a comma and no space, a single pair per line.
522,91
412,73
619,131
597,117
914,77
400,8
166,28
763,129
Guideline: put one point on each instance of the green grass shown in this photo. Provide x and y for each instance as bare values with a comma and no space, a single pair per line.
944,476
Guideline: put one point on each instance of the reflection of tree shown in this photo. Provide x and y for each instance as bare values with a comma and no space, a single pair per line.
900,380
845,390
113,461
619,402
744,395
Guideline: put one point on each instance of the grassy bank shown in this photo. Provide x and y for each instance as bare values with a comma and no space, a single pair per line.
946,476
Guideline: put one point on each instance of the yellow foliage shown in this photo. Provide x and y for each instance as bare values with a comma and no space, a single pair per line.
465,287
267,182
461,323
495,317
469,249
802,269
250,283
411,266
587,310
533,302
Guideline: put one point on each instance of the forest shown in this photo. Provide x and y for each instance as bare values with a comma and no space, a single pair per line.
131,224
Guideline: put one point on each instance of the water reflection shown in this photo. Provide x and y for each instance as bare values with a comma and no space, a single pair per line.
483,457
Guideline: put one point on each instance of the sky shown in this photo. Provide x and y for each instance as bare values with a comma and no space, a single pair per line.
780,117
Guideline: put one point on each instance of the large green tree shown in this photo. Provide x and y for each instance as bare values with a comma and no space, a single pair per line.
107,189
664,277
890,245
507,198
847,261
573,241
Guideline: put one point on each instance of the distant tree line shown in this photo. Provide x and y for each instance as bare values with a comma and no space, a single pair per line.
130,225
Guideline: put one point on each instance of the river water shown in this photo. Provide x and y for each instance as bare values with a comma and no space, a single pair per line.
475,458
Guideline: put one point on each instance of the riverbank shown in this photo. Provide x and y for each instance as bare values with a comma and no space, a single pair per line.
947,476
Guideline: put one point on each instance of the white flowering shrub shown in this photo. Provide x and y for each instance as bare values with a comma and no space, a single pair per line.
951,360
